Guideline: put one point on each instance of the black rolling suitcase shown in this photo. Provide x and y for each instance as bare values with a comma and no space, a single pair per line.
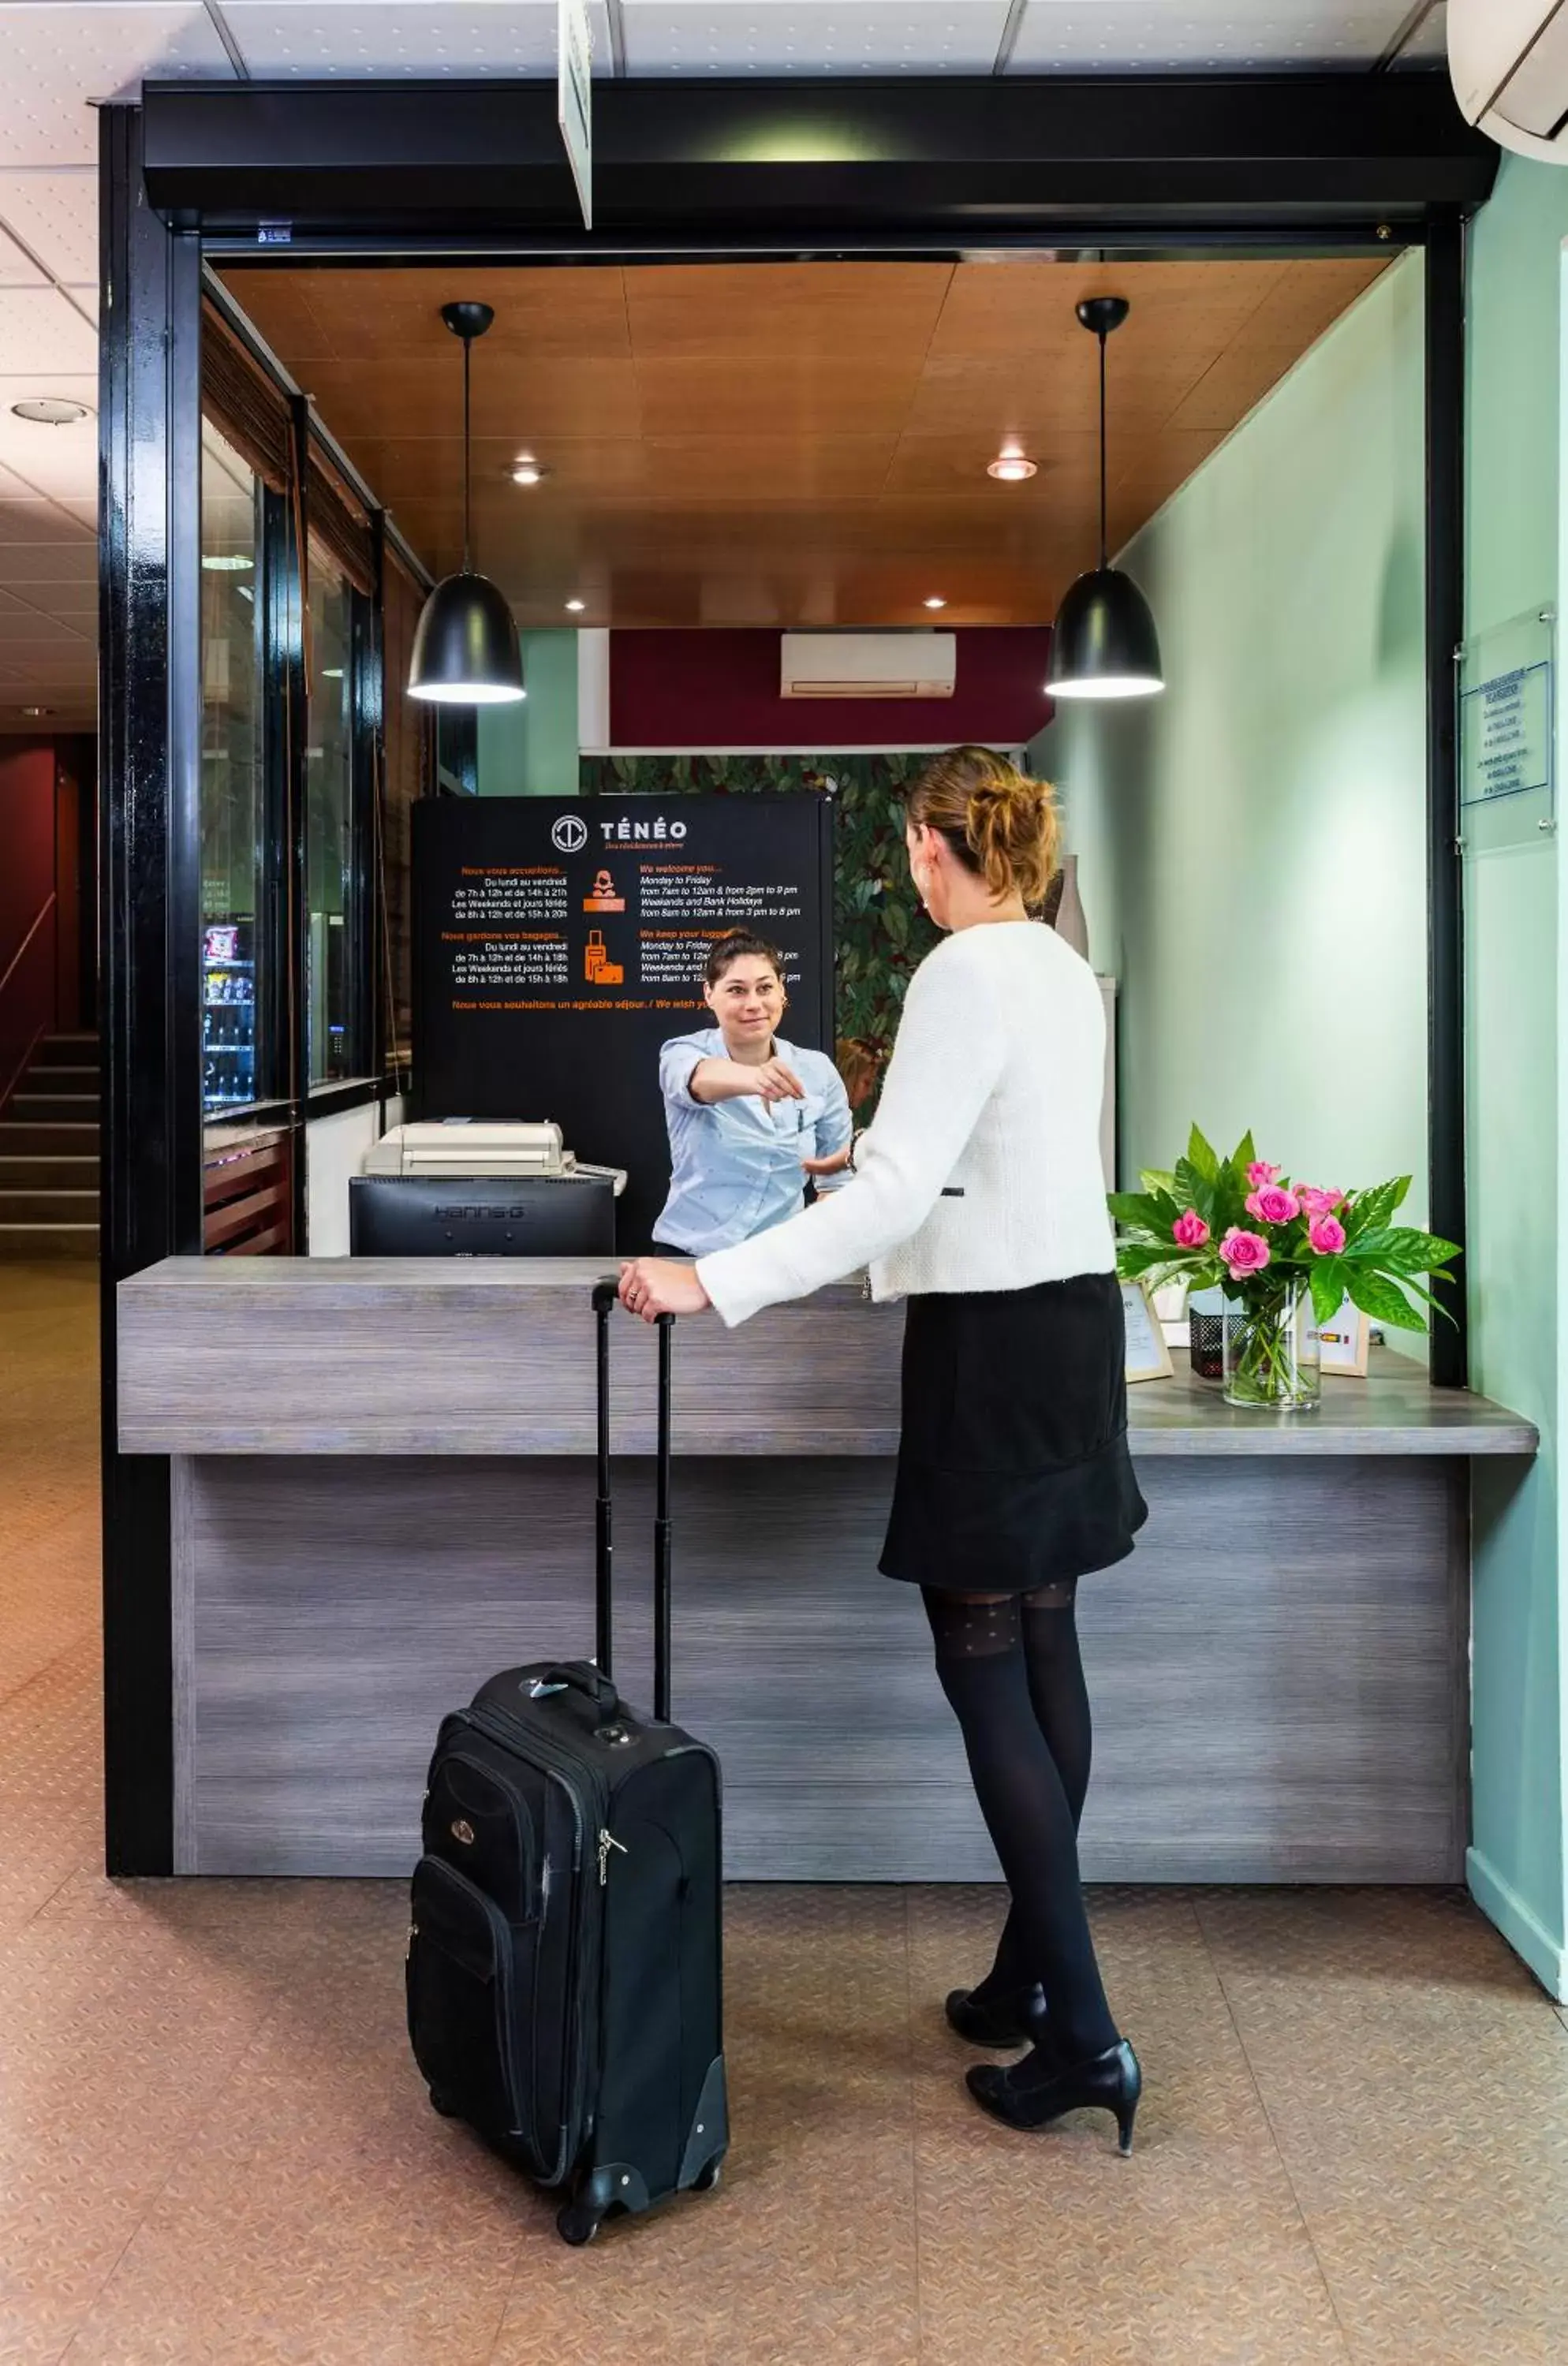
563,1965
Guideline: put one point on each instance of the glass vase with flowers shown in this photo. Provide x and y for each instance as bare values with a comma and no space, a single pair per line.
1285,1254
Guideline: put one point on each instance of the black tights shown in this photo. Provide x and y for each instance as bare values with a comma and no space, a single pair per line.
1010,1668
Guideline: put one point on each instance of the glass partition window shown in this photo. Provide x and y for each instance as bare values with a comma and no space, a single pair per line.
329,823
235,1052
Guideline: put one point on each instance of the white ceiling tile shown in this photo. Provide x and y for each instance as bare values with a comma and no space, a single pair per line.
77,600
25,629
42,330
85,300
23,564
60,55
60,461
1428,45
815,37
30,518
404,37
57,215
1132,36
15,269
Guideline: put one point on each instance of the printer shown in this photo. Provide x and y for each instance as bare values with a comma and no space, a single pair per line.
458,1146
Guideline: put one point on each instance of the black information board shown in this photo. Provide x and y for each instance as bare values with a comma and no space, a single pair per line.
559,942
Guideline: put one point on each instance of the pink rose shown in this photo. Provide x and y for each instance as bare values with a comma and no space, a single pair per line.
1273,1205
1190,1231
1244,1251
1316,1202
1260,1172
1326,1235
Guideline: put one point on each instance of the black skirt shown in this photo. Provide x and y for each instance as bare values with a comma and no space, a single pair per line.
1013,1468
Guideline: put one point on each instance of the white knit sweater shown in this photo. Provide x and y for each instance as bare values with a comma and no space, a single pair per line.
983,1169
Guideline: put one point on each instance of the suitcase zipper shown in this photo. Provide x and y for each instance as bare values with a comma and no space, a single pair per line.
571,1772
607,1841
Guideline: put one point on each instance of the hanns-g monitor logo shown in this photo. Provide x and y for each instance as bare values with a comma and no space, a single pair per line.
570,835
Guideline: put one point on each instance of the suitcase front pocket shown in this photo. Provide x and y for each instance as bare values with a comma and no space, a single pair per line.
463,2002
479,1821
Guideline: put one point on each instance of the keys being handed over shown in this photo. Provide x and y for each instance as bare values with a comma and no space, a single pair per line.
654,1285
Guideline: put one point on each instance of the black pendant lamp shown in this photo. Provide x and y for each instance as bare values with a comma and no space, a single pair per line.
1104,644
466,650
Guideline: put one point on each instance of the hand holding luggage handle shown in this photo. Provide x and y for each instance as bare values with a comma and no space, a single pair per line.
605,1298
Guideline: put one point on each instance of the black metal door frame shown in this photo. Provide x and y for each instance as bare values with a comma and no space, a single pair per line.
368,171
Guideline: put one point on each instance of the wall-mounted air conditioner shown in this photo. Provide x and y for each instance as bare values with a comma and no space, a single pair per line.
868,665
1509,64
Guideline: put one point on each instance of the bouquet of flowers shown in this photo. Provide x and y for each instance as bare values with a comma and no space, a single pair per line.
1285,1254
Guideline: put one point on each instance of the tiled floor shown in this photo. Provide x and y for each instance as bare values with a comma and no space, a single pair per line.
213,2148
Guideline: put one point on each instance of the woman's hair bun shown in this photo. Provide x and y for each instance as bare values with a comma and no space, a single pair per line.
998,821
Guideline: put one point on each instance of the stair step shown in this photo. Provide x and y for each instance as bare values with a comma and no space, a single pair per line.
55,1080
57,1173
75,1108
85,1037
47,1207
19,1241
28,1139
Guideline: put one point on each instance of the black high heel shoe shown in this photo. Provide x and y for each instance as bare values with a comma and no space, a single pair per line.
1016,2020
1110,2081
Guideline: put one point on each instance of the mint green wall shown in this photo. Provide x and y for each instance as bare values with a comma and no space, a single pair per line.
530,749
1251,844
1513,564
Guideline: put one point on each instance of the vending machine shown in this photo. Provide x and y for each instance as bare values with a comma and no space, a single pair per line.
228,1015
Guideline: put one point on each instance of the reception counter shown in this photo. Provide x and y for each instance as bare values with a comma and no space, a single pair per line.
383,1488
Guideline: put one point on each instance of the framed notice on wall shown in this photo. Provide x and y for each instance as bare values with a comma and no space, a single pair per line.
559,942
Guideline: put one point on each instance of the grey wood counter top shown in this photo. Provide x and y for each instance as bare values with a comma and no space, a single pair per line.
373,1356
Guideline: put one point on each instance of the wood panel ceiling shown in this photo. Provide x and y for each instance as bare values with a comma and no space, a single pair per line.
786,444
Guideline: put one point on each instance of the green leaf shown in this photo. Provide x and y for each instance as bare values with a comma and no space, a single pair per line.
1141,1256
1370,1210
1245,1155
1383,1300
1327,1287
1194,1189
1202,1155
1134,1207
1408,1251
1155,1178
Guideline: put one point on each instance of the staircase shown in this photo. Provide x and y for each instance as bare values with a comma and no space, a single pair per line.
49,1153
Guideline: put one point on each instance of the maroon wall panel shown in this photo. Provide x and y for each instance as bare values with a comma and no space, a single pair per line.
26,881
721,690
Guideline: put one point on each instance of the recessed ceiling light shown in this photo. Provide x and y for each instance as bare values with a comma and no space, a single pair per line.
575,607
936,604
226,562
527,470
1011,468
49,411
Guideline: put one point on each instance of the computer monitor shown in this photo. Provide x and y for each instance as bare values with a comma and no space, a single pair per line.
481,1215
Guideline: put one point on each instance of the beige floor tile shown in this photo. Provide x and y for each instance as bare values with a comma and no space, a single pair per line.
1191,2252
1417,2083
806,2255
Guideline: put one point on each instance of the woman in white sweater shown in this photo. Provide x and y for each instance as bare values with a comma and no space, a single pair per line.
978,1195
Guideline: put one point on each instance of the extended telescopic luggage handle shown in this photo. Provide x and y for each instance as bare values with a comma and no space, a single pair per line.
606,1297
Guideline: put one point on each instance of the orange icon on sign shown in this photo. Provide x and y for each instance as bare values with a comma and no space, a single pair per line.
597,966
603,897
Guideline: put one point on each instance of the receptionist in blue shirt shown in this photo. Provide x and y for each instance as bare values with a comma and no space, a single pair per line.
745,1108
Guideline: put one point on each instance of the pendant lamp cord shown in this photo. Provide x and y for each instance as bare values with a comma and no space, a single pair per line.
1104,539
467,349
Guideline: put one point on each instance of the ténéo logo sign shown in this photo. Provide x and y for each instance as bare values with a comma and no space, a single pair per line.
569,834
656,832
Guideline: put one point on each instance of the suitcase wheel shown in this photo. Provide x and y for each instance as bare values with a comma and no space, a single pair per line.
444,2104
707,2176
576,2223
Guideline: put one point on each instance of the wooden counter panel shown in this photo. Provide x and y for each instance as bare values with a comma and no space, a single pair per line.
369,1357
1278,1672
